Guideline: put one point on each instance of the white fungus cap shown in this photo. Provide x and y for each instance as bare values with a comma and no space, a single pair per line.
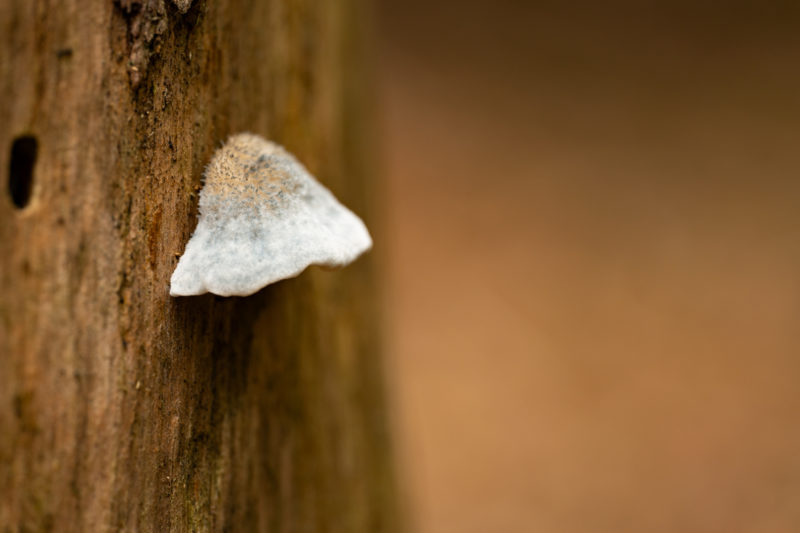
263,218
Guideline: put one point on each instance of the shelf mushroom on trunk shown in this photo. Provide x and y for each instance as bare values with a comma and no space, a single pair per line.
263,218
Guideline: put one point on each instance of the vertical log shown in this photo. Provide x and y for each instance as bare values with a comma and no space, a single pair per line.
122,409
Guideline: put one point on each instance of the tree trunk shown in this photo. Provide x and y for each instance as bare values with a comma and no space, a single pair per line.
121,408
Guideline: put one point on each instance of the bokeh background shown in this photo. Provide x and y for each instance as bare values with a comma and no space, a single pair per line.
592,240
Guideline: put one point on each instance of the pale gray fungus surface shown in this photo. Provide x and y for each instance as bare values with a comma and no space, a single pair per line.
263,218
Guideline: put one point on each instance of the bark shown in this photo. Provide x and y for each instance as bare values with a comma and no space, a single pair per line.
121,408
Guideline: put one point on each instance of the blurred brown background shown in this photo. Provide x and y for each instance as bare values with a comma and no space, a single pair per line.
593,247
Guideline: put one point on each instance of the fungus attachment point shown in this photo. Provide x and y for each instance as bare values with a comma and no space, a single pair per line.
263,218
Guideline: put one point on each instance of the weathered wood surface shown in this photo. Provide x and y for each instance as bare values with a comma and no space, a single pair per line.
122,409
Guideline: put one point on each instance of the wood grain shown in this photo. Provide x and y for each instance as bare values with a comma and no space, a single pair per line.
122,409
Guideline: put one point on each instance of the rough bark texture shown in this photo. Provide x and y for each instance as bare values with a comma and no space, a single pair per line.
122,409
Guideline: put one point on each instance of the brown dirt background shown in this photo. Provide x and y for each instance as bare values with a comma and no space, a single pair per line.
592,247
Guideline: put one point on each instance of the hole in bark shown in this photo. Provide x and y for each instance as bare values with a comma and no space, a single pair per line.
20,169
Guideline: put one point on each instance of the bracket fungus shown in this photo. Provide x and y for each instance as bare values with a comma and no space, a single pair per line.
263,218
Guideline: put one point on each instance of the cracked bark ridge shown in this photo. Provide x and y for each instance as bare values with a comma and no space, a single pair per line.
147,21
182,5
